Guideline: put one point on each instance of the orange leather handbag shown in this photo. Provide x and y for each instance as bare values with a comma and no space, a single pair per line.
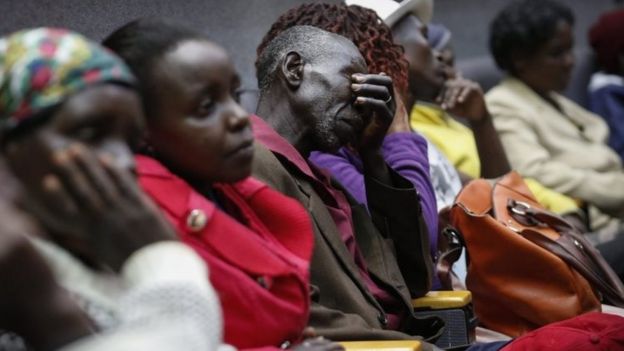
527,267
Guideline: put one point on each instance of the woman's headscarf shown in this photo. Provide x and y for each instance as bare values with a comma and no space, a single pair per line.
40,68
607,39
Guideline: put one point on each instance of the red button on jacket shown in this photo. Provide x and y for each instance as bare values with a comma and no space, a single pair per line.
258,260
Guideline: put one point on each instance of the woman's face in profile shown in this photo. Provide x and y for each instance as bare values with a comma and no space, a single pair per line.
550,67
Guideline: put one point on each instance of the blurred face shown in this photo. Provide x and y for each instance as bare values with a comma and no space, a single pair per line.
325,98
550,68
427,73
103,119
446,55
196,126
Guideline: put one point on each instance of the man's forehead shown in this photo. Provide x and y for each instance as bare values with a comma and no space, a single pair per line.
343,49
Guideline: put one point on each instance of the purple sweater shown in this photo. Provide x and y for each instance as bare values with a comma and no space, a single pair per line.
406,153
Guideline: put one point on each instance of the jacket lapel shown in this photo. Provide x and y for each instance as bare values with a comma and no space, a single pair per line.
376,250
324,223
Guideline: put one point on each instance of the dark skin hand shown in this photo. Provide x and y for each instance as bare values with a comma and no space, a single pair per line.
112,217
401,123
76,169
374,96
464,98
33,304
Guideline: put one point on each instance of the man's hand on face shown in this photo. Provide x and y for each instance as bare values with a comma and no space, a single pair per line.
374,96
111,215
464,98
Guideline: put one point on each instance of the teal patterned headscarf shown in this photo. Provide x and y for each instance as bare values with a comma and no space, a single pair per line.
40,68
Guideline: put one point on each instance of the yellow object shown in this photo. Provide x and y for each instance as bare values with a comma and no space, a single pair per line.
552,200
454,139
385,345
457,143
440,300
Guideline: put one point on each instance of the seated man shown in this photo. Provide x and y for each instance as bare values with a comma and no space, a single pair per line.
404,151
316,95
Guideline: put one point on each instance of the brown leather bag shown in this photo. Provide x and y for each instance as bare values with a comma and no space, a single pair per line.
527,267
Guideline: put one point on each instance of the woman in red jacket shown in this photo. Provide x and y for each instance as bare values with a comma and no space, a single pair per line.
196,164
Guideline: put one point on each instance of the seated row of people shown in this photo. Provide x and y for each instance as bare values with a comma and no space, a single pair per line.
287,247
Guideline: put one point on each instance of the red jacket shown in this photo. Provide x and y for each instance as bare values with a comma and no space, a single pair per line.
258,262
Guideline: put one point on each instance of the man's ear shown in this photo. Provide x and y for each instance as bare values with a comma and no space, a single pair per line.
292,69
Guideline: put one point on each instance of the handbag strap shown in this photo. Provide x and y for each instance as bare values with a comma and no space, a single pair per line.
453,249
571,247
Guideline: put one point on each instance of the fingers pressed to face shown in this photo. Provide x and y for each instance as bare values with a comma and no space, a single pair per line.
124,182
376,79
76,182
374,105
449,95
95,172
457,91
463,96
375,86
369,90
453,94
58,195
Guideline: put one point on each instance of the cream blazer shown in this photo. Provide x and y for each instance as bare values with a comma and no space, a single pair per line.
565,151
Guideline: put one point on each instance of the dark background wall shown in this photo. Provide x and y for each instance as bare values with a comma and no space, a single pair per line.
240,24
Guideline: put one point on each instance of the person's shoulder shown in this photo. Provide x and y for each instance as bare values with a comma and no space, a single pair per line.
579,112
511,100
166,189
508,91
268,170
265,163
250,186
602,81
148,167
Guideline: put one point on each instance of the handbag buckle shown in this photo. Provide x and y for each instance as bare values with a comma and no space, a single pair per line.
518,207
521,212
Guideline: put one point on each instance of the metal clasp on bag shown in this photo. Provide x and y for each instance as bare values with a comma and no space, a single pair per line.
521,212
453,237
518,207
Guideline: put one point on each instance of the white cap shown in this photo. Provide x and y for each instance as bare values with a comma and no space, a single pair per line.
391,11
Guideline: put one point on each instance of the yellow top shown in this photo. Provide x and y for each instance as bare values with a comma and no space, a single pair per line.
454,139
440,300
385,345
457,143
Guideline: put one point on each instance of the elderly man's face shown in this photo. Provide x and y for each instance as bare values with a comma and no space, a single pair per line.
326,98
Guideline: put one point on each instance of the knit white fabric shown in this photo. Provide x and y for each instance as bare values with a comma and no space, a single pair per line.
162,300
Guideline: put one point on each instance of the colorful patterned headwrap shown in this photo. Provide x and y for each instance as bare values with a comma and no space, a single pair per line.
40,68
